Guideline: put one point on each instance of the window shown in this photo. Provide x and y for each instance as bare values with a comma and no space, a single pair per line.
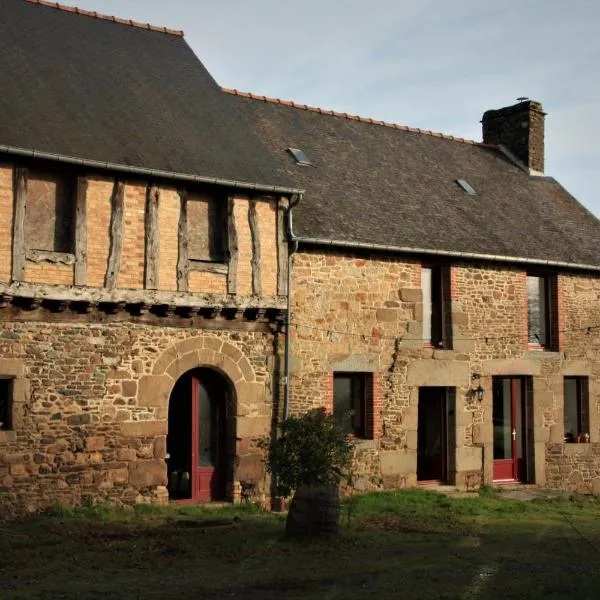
300,157
50,211
352,401
435,288
576,409
5,404
207,221
541,311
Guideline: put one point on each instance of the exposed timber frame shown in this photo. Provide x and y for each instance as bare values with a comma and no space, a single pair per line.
255,236
232,249
81,237
182,257
116,235
152,238
18,241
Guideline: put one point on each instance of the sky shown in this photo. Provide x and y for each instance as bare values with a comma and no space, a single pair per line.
433,64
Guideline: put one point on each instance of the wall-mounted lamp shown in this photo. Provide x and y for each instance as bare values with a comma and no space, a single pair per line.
477,392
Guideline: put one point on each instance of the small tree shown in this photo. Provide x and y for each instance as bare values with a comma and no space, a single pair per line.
310,458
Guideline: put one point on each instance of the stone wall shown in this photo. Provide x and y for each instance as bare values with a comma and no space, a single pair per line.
366,310
91,404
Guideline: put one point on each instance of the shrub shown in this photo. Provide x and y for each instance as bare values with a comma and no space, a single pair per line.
312,450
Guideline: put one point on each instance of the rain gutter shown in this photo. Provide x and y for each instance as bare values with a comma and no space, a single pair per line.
292,248
448,253
158,173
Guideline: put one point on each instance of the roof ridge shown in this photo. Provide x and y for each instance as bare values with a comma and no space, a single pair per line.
368,120
96,15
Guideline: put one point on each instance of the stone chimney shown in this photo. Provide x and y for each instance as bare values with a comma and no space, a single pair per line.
520,129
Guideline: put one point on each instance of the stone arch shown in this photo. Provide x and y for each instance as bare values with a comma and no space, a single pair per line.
252,405
200,351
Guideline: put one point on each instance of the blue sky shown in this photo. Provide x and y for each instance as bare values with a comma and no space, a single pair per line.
429,63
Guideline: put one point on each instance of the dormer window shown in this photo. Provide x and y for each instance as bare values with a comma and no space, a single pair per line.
300,157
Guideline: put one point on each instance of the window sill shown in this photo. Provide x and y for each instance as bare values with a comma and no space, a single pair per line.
7,436
543,353
363,443
49,256
572,449
207,266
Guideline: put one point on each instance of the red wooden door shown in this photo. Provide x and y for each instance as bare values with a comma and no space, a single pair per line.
208,460
509,422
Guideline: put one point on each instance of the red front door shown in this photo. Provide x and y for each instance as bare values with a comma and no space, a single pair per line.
208,456
196,441
510,422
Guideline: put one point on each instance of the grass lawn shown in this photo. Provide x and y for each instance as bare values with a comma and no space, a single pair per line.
406,544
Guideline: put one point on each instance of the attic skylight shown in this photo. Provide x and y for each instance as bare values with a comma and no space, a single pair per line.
300,157
466,186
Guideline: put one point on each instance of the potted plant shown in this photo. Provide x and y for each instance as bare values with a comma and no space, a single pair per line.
310,458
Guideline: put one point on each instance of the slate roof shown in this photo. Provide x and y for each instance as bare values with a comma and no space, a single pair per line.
102,89
394,186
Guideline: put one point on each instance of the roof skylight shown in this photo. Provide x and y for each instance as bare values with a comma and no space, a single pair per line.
466,186
300,157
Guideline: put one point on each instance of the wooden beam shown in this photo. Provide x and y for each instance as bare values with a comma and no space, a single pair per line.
47,256
182,259
81,238
282,249
18,241
255,260
232,247
207,267
150,297
152,239
116,235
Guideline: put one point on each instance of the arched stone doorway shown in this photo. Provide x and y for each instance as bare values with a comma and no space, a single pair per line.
201,436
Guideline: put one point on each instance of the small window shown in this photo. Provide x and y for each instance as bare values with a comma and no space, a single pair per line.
576,409
352,401
542,316
206,222
466,187
435,287
50,212
5,404
300,157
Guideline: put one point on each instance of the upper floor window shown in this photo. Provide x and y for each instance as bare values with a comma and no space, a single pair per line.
435,288
207,226
541,311
50,211
351,402
576,409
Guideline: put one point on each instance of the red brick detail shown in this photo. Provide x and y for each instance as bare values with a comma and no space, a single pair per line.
453,283
95,15
375,404
328,383
353,117
524,319
417,272
557,302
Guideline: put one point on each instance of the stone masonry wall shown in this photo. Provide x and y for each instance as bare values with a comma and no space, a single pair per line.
90,414
364,313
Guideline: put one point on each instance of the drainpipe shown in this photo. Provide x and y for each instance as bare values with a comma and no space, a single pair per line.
292,247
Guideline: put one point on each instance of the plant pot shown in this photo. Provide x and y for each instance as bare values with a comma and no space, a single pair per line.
314,511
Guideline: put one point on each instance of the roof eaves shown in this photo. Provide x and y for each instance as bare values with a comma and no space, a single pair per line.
96,15
447,253
96,164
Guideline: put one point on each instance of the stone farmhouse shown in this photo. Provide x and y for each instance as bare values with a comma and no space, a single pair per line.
183,266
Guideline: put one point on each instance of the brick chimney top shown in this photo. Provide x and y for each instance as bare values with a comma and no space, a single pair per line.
520,129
